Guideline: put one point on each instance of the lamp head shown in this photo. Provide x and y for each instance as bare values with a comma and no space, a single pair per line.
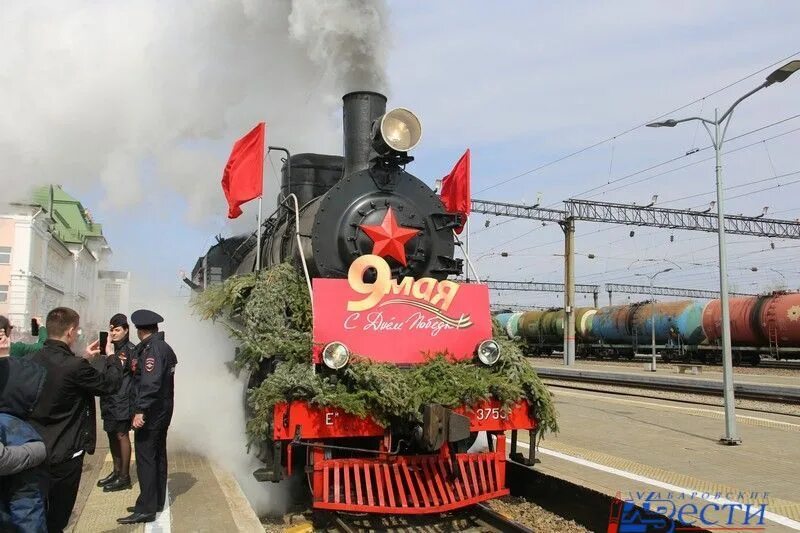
669,123
784,72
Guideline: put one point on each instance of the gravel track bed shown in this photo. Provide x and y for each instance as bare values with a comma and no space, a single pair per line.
744,370
689,399
518,509
531,515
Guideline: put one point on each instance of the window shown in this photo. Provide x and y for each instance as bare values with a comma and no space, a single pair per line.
3,293
5,255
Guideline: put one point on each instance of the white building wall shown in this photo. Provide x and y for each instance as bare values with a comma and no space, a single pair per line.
44,273
22,283
113,293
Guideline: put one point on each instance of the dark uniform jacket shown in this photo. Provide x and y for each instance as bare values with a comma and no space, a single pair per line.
65,414
154,378
118,406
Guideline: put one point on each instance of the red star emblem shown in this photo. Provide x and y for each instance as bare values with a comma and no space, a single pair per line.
389,238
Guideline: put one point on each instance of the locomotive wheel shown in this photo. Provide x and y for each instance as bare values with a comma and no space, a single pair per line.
666,358
737,358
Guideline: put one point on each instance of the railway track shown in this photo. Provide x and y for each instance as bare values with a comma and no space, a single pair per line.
479,518
788,365
751,391
783,365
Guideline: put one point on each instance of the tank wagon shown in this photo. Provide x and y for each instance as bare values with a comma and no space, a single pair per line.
761,326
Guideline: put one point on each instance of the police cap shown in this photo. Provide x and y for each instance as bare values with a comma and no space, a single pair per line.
144,318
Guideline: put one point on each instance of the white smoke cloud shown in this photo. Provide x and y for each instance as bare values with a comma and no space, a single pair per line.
146,96
114,92
209,417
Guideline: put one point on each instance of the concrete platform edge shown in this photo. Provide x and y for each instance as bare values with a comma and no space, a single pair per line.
243,513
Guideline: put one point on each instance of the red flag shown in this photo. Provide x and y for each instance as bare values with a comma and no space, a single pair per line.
455,189
243,177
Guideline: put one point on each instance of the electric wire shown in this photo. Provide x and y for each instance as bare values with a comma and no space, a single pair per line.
648,178
625,132
672,160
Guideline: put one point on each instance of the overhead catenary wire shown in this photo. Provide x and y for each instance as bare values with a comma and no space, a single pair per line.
633,128
683,156
654,176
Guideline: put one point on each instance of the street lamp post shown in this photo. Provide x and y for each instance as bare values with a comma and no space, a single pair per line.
653,317
717,139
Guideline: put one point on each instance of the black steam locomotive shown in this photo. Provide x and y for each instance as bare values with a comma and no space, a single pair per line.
325,199
363,216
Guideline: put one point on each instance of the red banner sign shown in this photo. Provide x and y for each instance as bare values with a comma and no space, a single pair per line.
400,322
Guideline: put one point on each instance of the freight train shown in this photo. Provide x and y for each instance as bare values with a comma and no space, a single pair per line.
761,326
376,247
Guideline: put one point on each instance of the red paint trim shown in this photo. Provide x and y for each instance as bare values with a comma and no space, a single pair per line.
317,422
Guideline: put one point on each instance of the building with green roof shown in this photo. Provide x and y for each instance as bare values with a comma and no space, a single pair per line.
52,253
71,222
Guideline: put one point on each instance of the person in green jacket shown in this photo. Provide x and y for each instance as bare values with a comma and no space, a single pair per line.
21,349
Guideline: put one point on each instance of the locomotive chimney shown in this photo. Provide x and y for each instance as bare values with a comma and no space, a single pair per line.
360,109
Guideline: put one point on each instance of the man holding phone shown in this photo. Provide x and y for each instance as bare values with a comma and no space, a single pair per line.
21,349
65,413
116,409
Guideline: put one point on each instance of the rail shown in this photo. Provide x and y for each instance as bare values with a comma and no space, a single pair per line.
752,391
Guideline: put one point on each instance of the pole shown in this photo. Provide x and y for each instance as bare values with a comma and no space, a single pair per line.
466,246
652,327
569,290
730,437
470,265
609,298
258,238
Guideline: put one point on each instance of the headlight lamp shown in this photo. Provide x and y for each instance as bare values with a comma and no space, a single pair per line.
335,355
488,352
399,130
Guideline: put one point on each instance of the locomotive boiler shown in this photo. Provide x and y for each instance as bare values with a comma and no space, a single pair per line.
337,196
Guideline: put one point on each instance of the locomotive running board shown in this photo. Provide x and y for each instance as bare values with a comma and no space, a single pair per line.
409,484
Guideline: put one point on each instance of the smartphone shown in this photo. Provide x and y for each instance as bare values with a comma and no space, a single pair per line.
103,342
34,327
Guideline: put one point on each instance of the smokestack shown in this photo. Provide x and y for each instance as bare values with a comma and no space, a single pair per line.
360,109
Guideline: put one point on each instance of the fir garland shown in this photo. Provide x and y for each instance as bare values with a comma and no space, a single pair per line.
269,314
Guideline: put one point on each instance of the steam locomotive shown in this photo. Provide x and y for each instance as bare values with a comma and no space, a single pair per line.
375,244
761,326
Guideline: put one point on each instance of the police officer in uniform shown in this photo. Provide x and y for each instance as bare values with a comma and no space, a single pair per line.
115,409
154,386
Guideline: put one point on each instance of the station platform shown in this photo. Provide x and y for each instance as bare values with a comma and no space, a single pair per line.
201,498
709,373
669,454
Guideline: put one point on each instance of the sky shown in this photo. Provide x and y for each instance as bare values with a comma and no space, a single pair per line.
133,107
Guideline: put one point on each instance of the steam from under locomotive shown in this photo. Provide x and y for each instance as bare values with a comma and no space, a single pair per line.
208,418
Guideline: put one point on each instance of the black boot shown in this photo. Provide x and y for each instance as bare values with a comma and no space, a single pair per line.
132,509
108,479
121,483
136,518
